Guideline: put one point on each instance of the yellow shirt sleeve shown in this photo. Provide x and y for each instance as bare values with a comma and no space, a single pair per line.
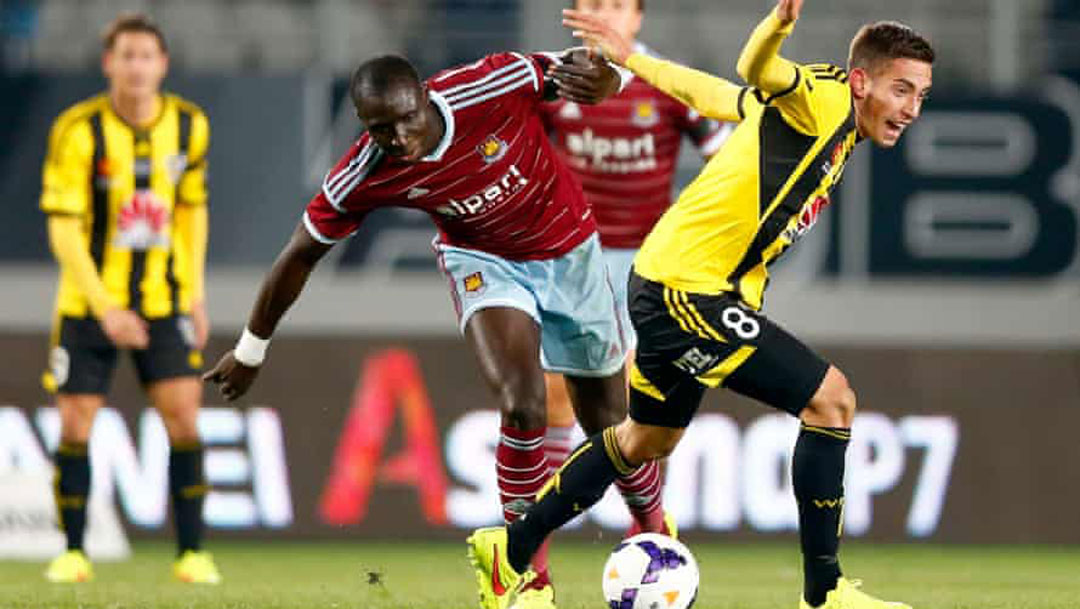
191,227
65,178
784,83
710,95
68,243
192,188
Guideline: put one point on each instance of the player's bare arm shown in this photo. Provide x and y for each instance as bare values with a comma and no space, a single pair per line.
584,76
279,290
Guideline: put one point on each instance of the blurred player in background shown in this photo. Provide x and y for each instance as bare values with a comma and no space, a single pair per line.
624,152
698,282
125,194
517,241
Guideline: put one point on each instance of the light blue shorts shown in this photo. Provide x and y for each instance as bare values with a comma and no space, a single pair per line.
570,297
619,262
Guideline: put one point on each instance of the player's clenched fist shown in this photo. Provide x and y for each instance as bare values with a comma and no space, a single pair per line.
788,10
232,377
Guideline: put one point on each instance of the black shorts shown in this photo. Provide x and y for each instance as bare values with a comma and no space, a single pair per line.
689,342
82,358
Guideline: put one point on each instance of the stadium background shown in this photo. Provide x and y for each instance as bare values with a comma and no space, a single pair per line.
944,279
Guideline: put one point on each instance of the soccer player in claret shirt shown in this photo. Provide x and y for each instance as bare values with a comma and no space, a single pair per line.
516,240
124,187
699,279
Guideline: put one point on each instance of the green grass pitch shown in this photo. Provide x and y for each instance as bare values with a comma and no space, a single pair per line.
272,575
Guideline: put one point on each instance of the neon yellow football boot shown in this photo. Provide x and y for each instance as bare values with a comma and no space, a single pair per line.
671,528
497,580
847,595
196,568
535,596
69,568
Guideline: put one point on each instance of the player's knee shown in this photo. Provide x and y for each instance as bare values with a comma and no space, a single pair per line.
638,447
77,419
522,402
612,411
638,453
834,403
601,415
181,427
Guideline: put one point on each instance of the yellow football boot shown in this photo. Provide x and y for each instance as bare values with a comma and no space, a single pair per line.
497,580
196,568
69,568
532,597
847,595
671,528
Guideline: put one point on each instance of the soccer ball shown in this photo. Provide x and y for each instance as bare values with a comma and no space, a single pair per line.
650,571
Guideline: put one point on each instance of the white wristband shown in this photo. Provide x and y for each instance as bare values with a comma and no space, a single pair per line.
250,350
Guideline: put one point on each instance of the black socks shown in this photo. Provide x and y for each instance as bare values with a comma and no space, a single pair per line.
818,476
188,489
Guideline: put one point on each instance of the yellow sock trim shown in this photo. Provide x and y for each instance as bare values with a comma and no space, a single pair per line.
832,433
611,447
556,479
197,490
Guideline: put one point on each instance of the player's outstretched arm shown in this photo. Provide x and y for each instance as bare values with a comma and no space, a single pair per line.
710,95
236,370
760,63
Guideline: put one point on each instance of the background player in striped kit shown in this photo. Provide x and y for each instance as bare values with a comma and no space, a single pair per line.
124,189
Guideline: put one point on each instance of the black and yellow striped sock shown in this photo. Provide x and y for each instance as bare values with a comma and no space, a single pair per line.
72,490
574,488
818,476
188,489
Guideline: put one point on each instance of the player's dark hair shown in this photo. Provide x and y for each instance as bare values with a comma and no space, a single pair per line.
885,40
375,76
132,22
640,5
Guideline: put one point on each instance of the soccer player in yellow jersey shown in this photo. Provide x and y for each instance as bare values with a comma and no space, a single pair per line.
699,279
125,195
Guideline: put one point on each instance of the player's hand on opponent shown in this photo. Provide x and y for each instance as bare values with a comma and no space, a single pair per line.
595,32
788,10
126,329
232,377
201,322
584,77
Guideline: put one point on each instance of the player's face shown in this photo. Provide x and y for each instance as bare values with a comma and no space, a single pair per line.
136,64
399,121
623,15
890,99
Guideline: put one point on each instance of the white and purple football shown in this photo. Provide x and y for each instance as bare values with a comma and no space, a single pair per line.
650,571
